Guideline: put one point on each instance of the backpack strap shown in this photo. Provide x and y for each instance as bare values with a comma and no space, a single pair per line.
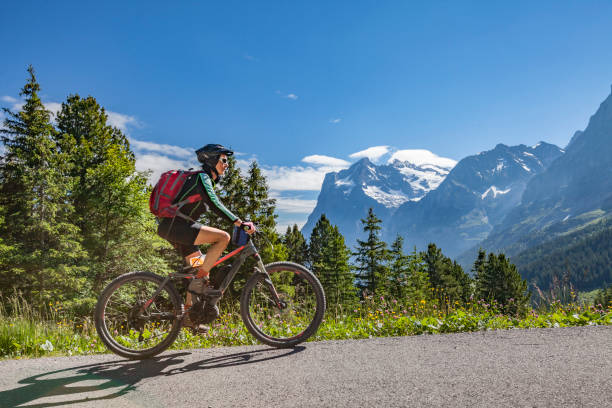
191,199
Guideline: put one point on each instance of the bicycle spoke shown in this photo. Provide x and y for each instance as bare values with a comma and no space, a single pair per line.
294,317
131,328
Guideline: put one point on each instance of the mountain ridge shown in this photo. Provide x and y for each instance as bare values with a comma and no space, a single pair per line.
574,191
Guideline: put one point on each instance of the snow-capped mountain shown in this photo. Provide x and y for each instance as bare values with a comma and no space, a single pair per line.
346,195
474,197
574,191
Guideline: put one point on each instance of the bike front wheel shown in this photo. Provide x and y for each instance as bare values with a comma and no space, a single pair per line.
299,313
134,324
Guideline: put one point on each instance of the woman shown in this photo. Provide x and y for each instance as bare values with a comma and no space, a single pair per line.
186,233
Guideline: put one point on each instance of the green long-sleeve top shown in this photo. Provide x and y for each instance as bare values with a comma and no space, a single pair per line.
202,183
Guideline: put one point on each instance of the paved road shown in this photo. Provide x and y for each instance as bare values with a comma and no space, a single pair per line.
531,368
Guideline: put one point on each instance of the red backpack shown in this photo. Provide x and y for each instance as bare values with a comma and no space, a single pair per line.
165,192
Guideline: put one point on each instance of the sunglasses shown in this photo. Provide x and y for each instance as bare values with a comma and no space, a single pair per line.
223,160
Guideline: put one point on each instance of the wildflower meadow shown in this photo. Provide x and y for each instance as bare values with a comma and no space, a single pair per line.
26,332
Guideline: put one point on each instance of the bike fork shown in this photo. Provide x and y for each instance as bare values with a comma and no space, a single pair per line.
268,281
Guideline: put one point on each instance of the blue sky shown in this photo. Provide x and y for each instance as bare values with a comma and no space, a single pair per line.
303,86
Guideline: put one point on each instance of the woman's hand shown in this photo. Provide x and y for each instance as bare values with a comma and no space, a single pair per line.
251,227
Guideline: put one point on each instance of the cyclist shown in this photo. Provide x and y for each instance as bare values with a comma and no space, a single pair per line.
185,233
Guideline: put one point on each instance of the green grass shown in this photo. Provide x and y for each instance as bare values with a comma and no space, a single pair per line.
26,333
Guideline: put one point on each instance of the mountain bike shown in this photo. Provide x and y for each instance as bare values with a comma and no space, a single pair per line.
140,314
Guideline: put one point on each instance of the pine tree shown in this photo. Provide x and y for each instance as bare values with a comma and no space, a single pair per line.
297,248
398,269
479,271
447,278
118,231
334,270
500,281
260,209
371,256
34,183
418,286
436,266
409,281
319,237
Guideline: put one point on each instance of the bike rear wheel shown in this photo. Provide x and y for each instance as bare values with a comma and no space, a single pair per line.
131,328
298,316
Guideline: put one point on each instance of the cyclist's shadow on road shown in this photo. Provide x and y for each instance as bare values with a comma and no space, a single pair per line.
105,381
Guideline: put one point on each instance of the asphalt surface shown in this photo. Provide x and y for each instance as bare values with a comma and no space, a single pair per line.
565,367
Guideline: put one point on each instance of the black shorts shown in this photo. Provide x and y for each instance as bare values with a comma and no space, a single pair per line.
181,233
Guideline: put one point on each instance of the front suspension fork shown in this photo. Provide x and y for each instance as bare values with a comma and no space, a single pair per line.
262,270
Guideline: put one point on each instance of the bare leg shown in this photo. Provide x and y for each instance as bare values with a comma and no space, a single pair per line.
219,240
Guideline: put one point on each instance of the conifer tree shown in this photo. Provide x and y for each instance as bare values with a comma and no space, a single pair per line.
409,281
371,255
418,280
318,237
398,269
479,271
450,282
34,184
260,209
436,266
334,270
500,281
297,248
110,197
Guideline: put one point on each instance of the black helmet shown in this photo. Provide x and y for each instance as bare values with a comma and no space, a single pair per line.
209,154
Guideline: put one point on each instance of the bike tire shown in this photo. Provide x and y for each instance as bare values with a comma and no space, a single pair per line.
169,299
302,292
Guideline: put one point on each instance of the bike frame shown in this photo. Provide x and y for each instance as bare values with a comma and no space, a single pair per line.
243,253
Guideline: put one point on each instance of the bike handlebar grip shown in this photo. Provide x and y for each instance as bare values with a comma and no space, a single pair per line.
247,225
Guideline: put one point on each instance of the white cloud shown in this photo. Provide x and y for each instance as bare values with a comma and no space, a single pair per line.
54,107
295,178
421,157
295,205
166,149
303,178
291,96
121,121
17,106
158,164
159,157
282,224
8,99
334,121
325,160
373,153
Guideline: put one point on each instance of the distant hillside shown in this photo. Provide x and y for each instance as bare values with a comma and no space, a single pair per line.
582,258
573,192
